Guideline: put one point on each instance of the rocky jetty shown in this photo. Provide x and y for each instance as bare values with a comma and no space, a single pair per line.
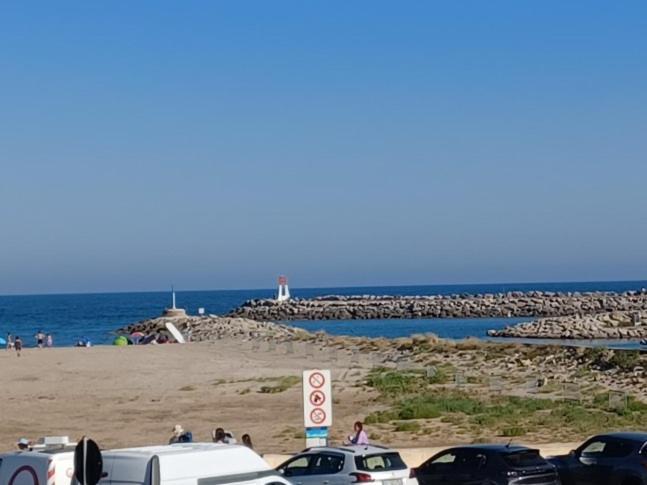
614,325
212,327
511,304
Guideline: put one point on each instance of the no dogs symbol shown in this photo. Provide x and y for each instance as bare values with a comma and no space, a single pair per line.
317,398
318,416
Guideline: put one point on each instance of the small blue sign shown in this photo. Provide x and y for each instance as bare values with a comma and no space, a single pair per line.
317,432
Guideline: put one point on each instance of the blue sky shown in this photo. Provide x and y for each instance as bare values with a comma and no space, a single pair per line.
218,144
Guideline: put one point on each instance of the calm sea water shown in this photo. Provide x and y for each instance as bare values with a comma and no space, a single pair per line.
96,316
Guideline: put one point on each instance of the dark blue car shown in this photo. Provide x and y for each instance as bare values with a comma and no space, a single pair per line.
487,465
607,459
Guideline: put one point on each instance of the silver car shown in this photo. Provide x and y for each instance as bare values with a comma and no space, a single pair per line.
347,465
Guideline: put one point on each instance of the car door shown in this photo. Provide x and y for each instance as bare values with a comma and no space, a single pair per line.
439,469
326,468
297,470
472,468
586,467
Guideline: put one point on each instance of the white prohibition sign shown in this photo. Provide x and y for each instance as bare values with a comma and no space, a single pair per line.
317,380
318,415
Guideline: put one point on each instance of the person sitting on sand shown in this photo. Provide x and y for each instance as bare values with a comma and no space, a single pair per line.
360,437
17,344
218,436
180,436
24,444
247,441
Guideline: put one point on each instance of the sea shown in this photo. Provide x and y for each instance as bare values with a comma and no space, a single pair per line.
95,317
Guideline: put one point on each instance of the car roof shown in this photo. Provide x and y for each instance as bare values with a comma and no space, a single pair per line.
500,448
626,435
358,450
175,449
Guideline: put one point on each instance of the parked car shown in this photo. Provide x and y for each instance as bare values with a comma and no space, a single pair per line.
487,465
346,465
607,459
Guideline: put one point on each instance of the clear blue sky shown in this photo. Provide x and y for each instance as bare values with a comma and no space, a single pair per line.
218,144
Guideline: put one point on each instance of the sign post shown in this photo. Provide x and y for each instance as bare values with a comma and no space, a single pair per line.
317,406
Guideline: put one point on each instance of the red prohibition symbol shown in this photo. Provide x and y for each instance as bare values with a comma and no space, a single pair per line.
317,398
317,416
317,380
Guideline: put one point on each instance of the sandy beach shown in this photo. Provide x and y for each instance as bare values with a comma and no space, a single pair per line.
134,395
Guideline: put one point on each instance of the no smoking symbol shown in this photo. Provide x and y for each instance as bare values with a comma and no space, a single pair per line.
318,416
317,398
317,380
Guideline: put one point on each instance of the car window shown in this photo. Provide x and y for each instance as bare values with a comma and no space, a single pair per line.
297,467
327,464
473,459
594,448
617,448
380,462
445,458
643,452
526,458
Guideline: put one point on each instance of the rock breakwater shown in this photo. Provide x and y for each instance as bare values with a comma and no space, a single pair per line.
212,327
614,325
511,304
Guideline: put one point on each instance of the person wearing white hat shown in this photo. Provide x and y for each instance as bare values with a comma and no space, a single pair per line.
24,444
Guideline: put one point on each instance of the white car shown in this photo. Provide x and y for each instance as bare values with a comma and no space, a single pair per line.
347,465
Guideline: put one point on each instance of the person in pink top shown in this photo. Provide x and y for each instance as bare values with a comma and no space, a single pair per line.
360,437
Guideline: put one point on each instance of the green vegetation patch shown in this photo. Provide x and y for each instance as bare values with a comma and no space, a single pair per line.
282,384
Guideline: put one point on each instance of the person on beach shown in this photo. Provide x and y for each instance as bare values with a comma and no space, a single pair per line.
17,344
40,339
9,341
360,437
180,436
24,444
49,341
218,435
247,441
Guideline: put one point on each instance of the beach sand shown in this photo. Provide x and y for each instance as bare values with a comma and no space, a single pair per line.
134,395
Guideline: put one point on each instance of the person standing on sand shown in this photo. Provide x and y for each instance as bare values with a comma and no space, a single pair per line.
49,341
18,345
360,437
40,339
9,341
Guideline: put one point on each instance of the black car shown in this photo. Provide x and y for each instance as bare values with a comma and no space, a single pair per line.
487,465
607,459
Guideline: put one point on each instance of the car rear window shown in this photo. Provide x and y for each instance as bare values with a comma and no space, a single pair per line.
522,459
380,462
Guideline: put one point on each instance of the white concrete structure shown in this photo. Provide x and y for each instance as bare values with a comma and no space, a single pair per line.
284,291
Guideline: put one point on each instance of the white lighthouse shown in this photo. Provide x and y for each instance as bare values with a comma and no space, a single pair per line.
284,291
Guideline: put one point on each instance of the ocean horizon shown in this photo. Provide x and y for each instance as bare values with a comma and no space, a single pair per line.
95,316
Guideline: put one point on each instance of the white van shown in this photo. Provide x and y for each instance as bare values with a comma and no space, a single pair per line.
187,464
47,467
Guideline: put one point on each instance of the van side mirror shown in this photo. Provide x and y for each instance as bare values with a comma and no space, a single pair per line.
572,453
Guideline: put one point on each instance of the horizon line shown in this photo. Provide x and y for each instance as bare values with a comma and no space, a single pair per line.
123,292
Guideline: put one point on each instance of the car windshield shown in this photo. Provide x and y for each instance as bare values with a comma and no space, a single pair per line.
380,462
525,458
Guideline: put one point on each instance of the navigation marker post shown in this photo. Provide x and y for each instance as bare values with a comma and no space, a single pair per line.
317,406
